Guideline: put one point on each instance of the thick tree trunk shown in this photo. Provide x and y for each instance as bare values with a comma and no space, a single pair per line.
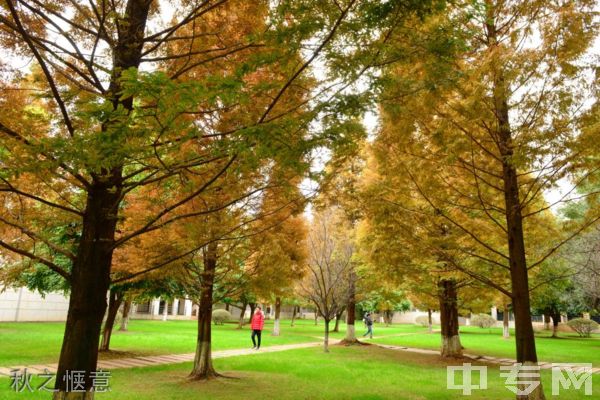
226,306
338,316
547,318
276,328
165,310
448,298
252,308
294,315
351,313
429,320
505,320
242,312
90,280
524,335
203,367
114,302
389,314
326,337
555,322
125,320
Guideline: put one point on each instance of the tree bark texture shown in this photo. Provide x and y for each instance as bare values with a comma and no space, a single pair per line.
203,366
114,302
126,311
276,327
448,298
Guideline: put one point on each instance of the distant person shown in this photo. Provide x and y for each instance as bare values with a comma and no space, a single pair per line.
257,325
369,322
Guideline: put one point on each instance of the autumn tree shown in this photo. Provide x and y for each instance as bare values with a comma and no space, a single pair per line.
411,248
116,114
340,190
279,252
330,256
490,110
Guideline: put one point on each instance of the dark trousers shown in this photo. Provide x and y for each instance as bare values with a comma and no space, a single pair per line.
256,333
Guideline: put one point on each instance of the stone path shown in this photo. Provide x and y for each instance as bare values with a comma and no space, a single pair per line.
136,362
139,362
486,359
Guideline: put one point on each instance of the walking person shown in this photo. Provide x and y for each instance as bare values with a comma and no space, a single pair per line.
369,322
257,325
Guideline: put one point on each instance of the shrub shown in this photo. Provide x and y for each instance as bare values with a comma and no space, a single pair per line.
483,320
220,316
583,327
422,320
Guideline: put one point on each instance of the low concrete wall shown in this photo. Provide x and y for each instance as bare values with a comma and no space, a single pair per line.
24,305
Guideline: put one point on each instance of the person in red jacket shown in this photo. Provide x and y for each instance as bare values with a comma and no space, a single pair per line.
258,322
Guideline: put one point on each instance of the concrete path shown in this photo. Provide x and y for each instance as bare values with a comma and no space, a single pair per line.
140,362
474,357
137,362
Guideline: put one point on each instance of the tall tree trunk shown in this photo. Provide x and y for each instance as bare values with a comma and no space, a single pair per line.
252,309
293,315
242,312
276,330
555,322
524,335
326,337
338,316
505,322
203,367
547,318
389,315
125,319
90,280
226,306
336,325
448,298
114,302
351,314
429,320
165,310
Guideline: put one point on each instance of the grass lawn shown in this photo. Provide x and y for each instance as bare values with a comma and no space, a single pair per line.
24,343
364,372
567,348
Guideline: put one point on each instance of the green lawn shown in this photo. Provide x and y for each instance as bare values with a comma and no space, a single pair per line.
35,343
39,342
567,348
365,372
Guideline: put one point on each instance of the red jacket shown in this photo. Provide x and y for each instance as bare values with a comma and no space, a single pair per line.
258,321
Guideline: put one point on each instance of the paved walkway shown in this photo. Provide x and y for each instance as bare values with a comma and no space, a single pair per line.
474,357
164,359
136,362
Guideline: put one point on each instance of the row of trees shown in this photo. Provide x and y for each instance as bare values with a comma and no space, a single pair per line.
146,139
488,113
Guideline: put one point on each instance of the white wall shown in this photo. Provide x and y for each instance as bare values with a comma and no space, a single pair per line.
410,317
24,305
